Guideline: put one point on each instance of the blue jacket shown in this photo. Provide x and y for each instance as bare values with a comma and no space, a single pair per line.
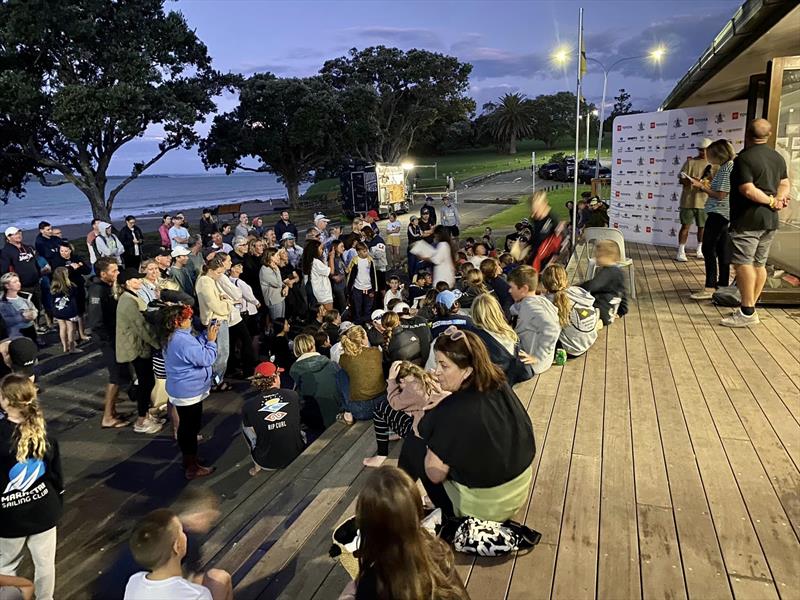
187,361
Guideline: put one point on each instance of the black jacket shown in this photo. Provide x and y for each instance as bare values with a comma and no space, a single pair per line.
126,237
207,228
47,248
281,228
30,492
610,295
101,311
21,261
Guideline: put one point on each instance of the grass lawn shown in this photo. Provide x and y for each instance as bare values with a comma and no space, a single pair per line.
471,163
505,219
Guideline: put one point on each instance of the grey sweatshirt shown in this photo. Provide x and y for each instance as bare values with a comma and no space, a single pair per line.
538,330
581,331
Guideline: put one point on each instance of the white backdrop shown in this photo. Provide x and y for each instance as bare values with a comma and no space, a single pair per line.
648,152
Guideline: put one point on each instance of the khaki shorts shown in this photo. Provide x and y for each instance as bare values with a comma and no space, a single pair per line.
751,247
693,216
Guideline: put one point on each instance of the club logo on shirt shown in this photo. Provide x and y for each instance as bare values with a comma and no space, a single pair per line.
272,406
23,475
273,417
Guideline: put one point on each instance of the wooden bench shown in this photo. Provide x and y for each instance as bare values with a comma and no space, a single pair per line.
229,209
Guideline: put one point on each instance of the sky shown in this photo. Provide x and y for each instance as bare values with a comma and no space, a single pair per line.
509,44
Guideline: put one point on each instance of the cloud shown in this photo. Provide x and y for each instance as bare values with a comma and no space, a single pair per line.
404,36
489,63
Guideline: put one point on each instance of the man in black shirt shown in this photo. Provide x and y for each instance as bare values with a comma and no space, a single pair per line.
21,259
132,239
428,209
271,421
208,226
759,189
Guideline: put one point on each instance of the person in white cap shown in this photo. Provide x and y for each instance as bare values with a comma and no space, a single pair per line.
182,271
693,199
321,223
293,251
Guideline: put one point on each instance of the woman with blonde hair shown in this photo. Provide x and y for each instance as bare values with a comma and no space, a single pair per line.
502,342
216,307
472,286
315,380
579,319
363,366
272,287
32,484
65,308
397,557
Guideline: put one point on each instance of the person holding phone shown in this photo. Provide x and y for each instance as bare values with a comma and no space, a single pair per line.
693,200
188,361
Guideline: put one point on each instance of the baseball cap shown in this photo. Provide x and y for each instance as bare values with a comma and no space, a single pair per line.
705,143
267,369
373,214
345,325
12,230
525,221
164,253
22,352
287,236
320,217
377,314
401,308
129,273
179,251
448,297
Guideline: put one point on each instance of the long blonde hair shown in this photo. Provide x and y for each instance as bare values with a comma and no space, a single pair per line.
487,314
20,394
474,280
554,280
390,321
428,381
61,283
353,341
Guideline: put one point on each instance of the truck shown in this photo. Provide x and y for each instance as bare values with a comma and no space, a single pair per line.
380,187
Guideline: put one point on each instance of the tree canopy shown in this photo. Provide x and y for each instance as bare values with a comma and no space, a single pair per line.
391,95
290,126
512,119
82,78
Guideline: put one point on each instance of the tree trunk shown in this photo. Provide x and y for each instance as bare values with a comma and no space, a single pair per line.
512,144
293,191
98,203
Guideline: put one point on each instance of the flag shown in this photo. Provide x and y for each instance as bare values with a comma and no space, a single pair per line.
583,57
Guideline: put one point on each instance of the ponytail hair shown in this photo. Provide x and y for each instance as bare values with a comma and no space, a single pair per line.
390,321
554,280
20,393
217,261
353,341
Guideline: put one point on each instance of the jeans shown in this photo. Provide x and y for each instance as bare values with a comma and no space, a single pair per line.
361,304
716,248
189,425
223,350
42,547
362,410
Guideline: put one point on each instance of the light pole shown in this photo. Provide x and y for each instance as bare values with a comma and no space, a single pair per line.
586,154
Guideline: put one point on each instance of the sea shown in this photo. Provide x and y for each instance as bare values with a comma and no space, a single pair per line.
146,195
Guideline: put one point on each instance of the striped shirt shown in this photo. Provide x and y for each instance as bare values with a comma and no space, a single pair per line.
721,183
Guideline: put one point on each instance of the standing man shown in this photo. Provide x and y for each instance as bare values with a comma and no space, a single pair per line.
321,223
428,209
16,257
450,216
207,226
178,234
285,225
131,237
759,189
101,310
47,244
242,228
182,270
693,200
91,237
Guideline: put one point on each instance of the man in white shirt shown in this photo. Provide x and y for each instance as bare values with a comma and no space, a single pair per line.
178,234
159,544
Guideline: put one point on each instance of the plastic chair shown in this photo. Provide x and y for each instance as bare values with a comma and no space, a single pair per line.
594,234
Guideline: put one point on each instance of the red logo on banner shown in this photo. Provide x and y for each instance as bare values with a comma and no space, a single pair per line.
735,116
616,225
652,161
691,121
648,229
616,194
649,195
652,124
619,127
619,161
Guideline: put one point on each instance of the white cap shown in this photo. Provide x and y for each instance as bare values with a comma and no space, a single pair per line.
12,230
287,236
179,251
377,314
400,308
345,325
705,143
320,217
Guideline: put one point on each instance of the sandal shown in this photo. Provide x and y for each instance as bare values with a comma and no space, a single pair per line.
346,418
117,424
222,387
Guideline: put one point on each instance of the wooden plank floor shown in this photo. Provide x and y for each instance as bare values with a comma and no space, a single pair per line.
667,466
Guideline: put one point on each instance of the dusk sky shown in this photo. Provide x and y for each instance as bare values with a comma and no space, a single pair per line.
509,45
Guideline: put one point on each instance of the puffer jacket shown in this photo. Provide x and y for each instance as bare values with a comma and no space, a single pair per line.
135,336
315,378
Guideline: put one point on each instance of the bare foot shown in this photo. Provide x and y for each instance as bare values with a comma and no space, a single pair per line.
254,470
374,461
393,437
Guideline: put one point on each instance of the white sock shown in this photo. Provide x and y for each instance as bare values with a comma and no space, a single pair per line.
681,248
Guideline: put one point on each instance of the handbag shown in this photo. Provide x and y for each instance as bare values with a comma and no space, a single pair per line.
469,535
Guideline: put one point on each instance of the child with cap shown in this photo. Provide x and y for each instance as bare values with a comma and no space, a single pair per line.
448,312
271,421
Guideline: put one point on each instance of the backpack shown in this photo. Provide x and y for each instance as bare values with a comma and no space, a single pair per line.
489,538
727,296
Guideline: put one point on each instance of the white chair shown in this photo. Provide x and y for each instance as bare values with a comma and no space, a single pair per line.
594,234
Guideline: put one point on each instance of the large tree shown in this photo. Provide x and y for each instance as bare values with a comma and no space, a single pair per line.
512,119
289,126
395,95
553,117
82,78
622,106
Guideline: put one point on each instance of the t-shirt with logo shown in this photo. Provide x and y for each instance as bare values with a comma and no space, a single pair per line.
764,168
30,491
275,417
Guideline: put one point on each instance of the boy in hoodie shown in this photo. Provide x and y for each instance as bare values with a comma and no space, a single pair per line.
108,244
537,318
608,284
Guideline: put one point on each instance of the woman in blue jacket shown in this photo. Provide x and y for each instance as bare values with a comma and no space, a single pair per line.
188,361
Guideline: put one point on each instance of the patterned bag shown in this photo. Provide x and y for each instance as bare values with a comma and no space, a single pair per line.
490,538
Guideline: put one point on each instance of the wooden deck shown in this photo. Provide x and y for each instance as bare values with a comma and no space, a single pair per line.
667,467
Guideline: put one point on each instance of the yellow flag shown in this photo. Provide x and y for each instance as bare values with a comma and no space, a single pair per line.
583,57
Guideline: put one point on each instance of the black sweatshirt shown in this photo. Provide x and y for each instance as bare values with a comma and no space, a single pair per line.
607,286
31,500
101,311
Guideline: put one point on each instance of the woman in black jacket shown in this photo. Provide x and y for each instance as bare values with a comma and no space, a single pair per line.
79,268
32,483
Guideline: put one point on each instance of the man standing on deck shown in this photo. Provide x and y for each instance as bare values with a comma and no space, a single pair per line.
759,189
693,200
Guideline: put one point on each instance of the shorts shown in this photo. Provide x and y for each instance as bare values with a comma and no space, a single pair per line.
751,247
696,216
116,371
393,241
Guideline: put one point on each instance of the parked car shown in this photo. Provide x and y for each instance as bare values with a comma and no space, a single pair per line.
548,171
586,171
566,170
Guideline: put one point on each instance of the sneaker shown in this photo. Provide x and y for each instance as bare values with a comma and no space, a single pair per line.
681,256
147,426
739,319
703,294
699,254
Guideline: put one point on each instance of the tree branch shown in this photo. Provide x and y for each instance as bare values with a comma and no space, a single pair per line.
43,181
138,171
261,169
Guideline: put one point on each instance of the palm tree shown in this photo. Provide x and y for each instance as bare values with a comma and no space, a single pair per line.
512,120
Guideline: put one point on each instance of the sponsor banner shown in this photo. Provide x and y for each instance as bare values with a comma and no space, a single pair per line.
648,152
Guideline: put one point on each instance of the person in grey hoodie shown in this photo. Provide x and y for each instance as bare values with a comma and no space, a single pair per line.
537,319
577,316
108,244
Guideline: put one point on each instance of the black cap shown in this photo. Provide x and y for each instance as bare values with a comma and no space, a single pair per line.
167,253
129,273
22,352
206,211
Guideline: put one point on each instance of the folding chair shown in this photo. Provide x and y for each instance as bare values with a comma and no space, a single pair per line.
594,234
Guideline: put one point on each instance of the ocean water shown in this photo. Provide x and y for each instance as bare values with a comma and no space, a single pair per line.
65,204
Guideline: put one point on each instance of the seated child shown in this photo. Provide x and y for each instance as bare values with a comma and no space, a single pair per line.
159,544
608,284
578,317
537,318
395,291
271,421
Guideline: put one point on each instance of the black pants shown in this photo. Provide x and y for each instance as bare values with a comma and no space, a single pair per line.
146,380
189,425
131,261
412,461
240,339
361,303
716,248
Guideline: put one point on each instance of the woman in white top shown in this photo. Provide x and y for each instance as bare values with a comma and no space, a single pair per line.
250,303
216,306
318,273
241,343
149,290
442,254
272,287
